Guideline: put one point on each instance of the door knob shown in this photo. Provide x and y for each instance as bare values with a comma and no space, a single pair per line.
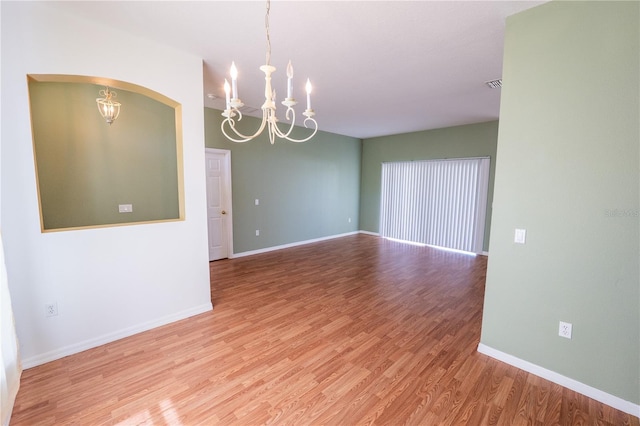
223,212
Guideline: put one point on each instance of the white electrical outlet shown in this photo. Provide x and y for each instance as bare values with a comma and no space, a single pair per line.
564,330
125,208
257,232
520,236
257,202
50,309
349,220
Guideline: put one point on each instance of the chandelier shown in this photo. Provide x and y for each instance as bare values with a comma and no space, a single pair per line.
109,109
269,119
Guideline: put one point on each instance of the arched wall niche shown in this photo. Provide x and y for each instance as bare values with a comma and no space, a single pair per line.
88,171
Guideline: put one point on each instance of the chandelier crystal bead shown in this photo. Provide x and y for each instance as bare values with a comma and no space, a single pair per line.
269,119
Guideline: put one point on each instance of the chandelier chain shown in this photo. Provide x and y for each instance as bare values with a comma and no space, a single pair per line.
266,27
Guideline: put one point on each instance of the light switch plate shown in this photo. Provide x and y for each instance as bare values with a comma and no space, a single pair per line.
520,236
125,208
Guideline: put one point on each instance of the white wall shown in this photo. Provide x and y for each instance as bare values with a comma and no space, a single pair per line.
109,282
11,368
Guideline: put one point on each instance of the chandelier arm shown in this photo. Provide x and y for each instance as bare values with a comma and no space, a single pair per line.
272,134
286,136
279,132
232,139
243,138
315,130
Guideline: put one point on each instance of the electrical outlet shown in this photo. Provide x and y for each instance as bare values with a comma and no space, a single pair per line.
564,330
257,232
349,220
50,309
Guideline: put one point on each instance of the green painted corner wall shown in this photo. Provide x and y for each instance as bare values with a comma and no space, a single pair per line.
306,190
86,167
473,140
569,173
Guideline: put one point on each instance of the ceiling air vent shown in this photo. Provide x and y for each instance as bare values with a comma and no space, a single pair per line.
248,110
494,84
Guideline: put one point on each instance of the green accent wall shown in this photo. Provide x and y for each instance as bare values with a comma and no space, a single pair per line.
569,173
86,167
306,190
473,140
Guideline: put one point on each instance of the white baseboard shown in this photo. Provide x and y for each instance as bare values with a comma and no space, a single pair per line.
485,253
111,337
375,234
593,393
284,246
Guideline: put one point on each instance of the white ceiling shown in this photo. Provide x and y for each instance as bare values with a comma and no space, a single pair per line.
377,67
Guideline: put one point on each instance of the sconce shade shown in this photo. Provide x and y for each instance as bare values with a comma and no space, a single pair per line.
109,109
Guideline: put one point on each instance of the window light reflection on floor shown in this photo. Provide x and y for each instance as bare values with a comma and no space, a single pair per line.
432,246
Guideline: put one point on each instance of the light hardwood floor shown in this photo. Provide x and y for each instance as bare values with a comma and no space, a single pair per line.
356,330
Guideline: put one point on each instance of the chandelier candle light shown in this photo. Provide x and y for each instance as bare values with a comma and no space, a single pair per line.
269,120
109,109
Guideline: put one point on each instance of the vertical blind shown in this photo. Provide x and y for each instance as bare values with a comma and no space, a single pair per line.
440,203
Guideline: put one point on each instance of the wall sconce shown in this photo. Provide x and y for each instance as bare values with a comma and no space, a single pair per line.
109,109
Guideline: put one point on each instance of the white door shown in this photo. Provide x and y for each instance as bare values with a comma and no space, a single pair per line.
218,167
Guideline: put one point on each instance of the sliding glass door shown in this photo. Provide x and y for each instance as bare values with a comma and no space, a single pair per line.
439,202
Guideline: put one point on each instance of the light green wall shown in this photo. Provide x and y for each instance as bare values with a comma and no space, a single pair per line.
569,174
86,168
473,140
306,190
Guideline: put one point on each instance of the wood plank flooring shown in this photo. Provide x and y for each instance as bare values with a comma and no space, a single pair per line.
352,331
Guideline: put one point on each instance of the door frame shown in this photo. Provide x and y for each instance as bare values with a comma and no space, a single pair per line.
227,196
